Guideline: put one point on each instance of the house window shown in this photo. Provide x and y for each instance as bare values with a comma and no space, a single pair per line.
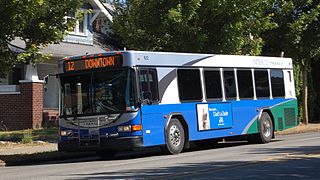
81,24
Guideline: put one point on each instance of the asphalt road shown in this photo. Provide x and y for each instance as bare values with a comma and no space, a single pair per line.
287,157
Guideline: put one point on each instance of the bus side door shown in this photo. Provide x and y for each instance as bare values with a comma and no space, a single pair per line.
151,113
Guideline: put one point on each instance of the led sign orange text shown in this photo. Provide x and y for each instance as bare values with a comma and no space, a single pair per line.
93,63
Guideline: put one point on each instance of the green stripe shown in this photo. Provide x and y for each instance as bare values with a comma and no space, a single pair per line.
285,115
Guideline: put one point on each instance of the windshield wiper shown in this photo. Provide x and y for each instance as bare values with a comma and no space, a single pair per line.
107,105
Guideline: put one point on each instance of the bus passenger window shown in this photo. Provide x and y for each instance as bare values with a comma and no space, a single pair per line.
245,83
213,84
148,84
229,84
277,83
261,79
189,85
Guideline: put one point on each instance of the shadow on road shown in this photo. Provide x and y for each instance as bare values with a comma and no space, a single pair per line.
286,168
58,157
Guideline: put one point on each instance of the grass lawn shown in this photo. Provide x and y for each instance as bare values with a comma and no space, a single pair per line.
46,135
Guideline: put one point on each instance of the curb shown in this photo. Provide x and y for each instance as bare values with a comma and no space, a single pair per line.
43,157
2,163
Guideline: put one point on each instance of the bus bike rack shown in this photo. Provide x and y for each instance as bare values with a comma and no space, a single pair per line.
89,141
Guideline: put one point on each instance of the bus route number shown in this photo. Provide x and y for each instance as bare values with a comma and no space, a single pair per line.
70,66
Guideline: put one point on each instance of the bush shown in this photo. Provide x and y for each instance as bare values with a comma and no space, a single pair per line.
27,137
47,135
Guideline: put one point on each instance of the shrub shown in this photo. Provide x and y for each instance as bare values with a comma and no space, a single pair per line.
27,137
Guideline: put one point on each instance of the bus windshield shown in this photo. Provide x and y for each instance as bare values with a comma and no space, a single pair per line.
103,92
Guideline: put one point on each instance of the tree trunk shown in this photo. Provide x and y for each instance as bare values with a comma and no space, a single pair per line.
305,117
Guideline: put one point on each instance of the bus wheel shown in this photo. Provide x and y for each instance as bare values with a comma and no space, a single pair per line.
265,130
175,137
106,154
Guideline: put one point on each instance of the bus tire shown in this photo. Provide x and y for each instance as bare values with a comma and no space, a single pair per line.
106,154
265,127
175,137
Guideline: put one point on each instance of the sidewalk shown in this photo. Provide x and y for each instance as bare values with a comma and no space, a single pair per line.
311,127
35,153
27,149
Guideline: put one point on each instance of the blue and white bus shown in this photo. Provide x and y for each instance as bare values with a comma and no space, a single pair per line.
133,99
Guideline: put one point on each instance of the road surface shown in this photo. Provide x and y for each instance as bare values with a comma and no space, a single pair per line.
287,157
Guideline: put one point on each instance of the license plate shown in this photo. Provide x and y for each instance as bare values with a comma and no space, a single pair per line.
94,131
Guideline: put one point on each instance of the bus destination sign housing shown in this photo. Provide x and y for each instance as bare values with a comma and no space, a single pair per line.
109,61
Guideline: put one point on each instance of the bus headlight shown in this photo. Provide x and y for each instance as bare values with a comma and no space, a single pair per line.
129,128
65,132
126,128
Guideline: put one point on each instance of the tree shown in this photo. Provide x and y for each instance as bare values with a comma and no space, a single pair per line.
37,22
230,27
298,35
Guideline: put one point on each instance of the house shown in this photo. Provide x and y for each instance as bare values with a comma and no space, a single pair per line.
28,105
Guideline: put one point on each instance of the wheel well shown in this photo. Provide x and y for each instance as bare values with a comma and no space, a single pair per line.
272,118
185,127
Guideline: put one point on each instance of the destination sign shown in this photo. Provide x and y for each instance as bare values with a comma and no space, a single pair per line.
92,63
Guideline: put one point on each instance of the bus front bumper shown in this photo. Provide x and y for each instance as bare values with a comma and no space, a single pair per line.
119,143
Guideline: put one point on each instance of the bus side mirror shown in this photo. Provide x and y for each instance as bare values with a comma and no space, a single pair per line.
145,99
46,80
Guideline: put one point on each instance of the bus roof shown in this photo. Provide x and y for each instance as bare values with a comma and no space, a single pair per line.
172,59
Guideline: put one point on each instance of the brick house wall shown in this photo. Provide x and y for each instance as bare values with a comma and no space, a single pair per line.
23,109
50,117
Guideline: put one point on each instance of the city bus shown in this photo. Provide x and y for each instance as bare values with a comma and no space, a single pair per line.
127,100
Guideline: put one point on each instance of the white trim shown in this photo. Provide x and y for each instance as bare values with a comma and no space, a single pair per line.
222,85
4,93
204,95
102,8
236,82
94,17
270,86
254,85
31,81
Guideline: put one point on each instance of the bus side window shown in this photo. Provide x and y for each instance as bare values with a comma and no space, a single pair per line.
229,84
262,83
148,84
189,85
277,83
213,84
245,83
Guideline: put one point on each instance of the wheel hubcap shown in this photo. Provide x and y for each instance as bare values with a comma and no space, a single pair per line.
175,135
266,128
